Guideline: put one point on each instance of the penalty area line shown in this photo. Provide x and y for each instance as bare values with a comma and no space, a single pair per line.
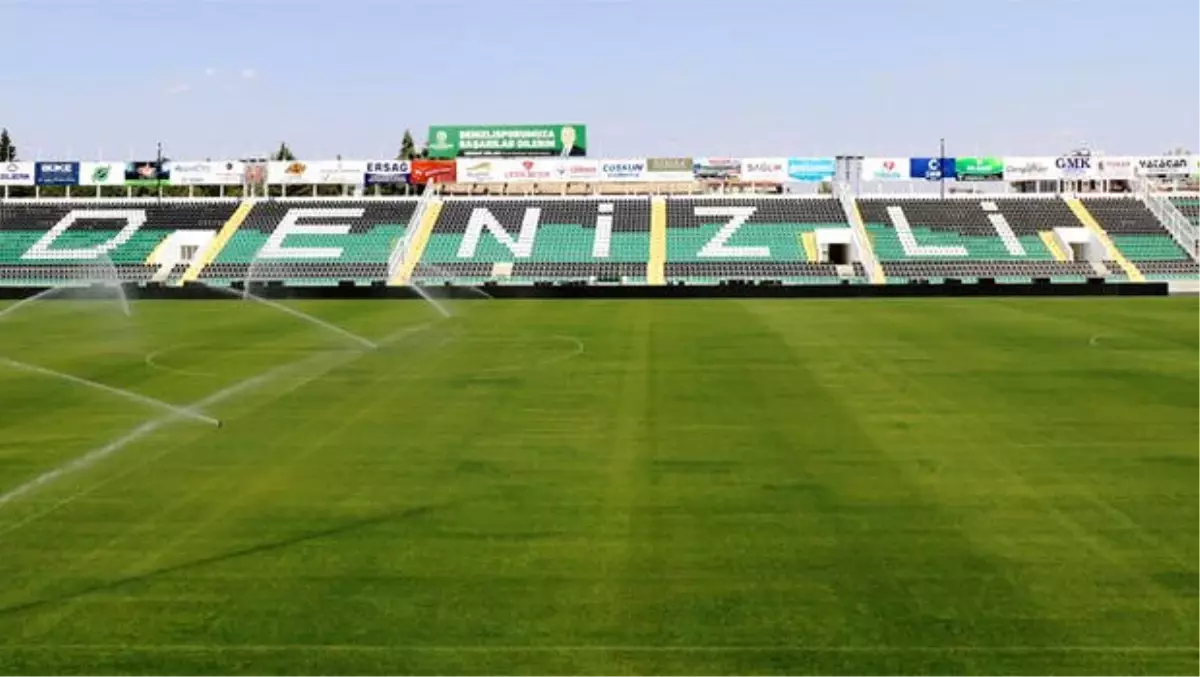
94,456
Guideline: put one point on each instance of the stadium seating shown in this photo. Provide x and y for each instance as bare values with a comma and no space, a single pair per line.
357,238
768,243
1189,207
93,236
959,238
1141,238
522,240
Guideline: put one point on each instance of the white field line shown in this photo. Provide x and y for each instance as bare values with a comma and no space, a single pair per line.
121,392
635,648
94,456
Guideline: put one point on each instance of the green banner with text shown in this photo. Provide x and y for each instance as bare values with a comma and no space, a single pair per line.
979,168
450,141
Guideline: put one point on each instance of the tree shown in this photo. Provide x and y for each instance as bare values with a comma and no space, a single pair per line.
284,154
408,149
8,152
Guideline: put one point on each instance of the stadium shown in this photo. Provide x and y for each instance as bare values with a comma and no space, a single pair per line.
501,404
546,459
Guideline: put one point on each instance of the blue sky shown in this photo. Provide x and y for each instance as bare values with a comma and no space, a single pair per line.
228,78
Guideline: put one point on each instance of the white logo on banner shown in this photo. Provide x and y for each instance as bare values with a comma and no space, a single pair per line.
388,171
16,173
207,173
102,174
764,169
884,169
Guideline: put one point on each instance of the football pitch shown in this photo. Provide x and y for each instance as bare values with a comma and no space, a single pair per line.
603,487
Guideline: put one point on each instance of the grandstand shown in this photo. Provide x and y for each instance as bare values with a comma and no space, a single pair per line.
790,240
640,221
309,242
527,240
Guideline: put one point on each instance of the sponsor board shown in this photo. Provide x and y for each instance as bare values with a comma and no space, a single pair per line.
17,173
978,168
1075,167
764,169
931,168
452,141
1164,165
526,170
626,169
478,170
670,169
102,174
56,173
387,171
326,172
717,168
147,173
1030,168
1117,168
577,170
206,173
811,168
433,171
884,169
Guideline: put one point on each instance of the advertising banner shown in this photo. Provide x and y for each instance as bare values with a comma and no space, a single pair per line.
433,171
979,168
717,168
931,168
764,170
811,168
670,169
526,170
147,173
326,172
387,171
628,169
1075,167
578,170
206,173
1115,167
56,173
1164,165
884,169
1038,168
479,170
452,141
17,173
102,174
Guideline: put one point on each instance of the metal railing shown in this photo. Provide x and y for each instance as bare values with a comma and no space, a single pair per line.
1178,225
396,260
858,230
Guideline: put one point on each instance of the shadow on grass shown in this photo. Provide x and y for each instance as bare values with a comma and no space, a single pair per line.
347,527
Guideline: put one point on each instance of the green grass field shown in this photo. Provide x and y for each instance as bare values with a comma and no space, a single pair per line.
900,486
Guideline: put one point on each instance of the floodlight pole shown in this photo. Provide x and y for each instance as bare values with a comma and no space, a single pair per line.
158,172
941,169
